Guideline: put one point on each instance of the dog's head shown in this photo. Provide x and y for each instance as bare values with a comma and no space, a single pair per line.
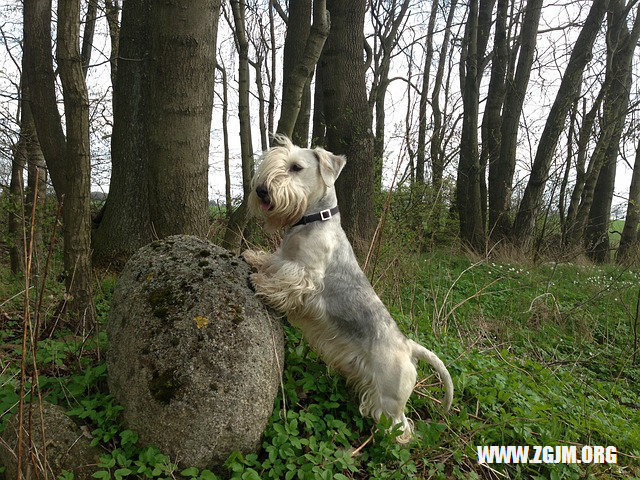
291,180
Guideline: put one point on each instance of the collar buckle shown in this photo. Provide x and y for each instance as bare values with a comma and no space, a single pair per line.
325,214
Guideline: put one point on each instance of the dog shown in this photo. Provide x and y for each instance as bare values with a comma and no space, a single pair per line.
314,278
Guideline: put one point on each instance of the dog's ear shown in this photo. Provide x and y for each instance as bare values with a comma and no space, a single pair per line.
330,165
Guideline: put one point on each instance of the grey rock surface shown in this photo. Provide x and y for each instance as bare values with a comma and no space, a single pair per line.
67,447
194,358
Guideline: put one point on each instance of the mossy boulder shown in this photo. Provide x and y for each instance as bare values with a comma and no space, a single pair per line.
194,357
65,448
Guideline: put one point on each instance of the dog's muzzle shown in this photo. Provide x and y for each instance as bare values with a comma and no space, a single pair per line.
263,194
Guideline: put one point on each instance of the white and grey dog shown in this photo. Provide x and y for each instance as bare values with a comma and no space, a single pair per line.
315,279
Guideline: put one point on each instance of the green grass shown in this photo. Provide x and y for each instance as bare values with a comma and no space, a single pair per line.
540,355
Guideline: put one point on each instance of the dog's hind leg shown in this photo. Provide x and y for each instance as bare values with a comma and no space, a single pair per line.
393,384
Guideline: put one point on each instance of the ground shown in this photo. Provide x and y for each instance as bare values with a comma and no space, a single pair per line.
540,354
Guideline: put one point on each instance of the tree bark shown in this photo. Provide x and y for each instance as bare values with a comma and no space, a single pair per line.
87,35
15,219
225,138
162,116
566,96
112,11
67,158
468,192
36,184
492,120
348,118
424,95
620,50
126,223
238,220
318,130
584,135
302,49
629,236
387,29
76,213
435,147
503,167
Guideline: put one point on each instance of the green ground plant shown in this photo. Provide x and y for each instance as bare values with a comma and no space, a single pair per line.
540,355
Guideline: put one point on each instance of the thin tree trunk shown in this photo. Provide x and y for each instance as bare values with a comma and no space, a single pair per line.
388,40
76,213
299,62
492,120
616,101
437,154
584,136
36,183
257,65
629,236
225,138
566,96
318,131
238,220
468,182
348,118
567,169
504,165
87,35
424,95
272,80
67,158
15,226
112,9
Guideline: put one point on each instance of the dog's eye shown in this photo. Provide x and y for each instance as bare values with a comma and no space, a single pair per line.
295,167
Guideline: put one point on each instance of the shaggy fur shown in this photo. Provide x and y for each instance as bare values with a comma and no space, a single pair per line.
315,279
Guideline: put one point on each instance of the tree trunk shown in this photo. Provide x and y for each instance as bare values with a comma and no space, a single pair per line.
76,213
302,49
468,180
424,95
388,38
616,101
67,158
567,168
437,154
257,65
15,219
162,116
225,138
238,220
492,120
111,11
318,131
566,96
584,135
501,178
629,236
87,35
183,48
348,118
126,224
36,184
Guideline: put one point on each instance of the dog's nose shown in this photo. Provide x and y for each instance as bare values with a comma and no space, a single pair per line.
262,192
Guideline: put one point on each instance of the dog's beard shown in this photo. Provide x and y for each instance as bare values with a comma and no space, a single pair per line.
287,204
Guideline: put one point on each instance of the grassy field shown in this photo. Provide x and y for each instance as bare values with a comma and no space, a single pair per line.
539,354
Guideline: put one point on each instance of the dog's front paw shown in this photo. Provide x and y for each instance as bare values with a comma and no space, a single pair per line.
255,258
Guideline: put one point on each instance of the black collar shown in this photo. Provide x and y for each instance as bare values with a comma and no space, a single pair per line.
323,215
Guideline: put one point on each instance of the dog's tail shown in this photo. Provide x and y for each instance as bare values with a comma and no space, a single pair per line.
425,354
